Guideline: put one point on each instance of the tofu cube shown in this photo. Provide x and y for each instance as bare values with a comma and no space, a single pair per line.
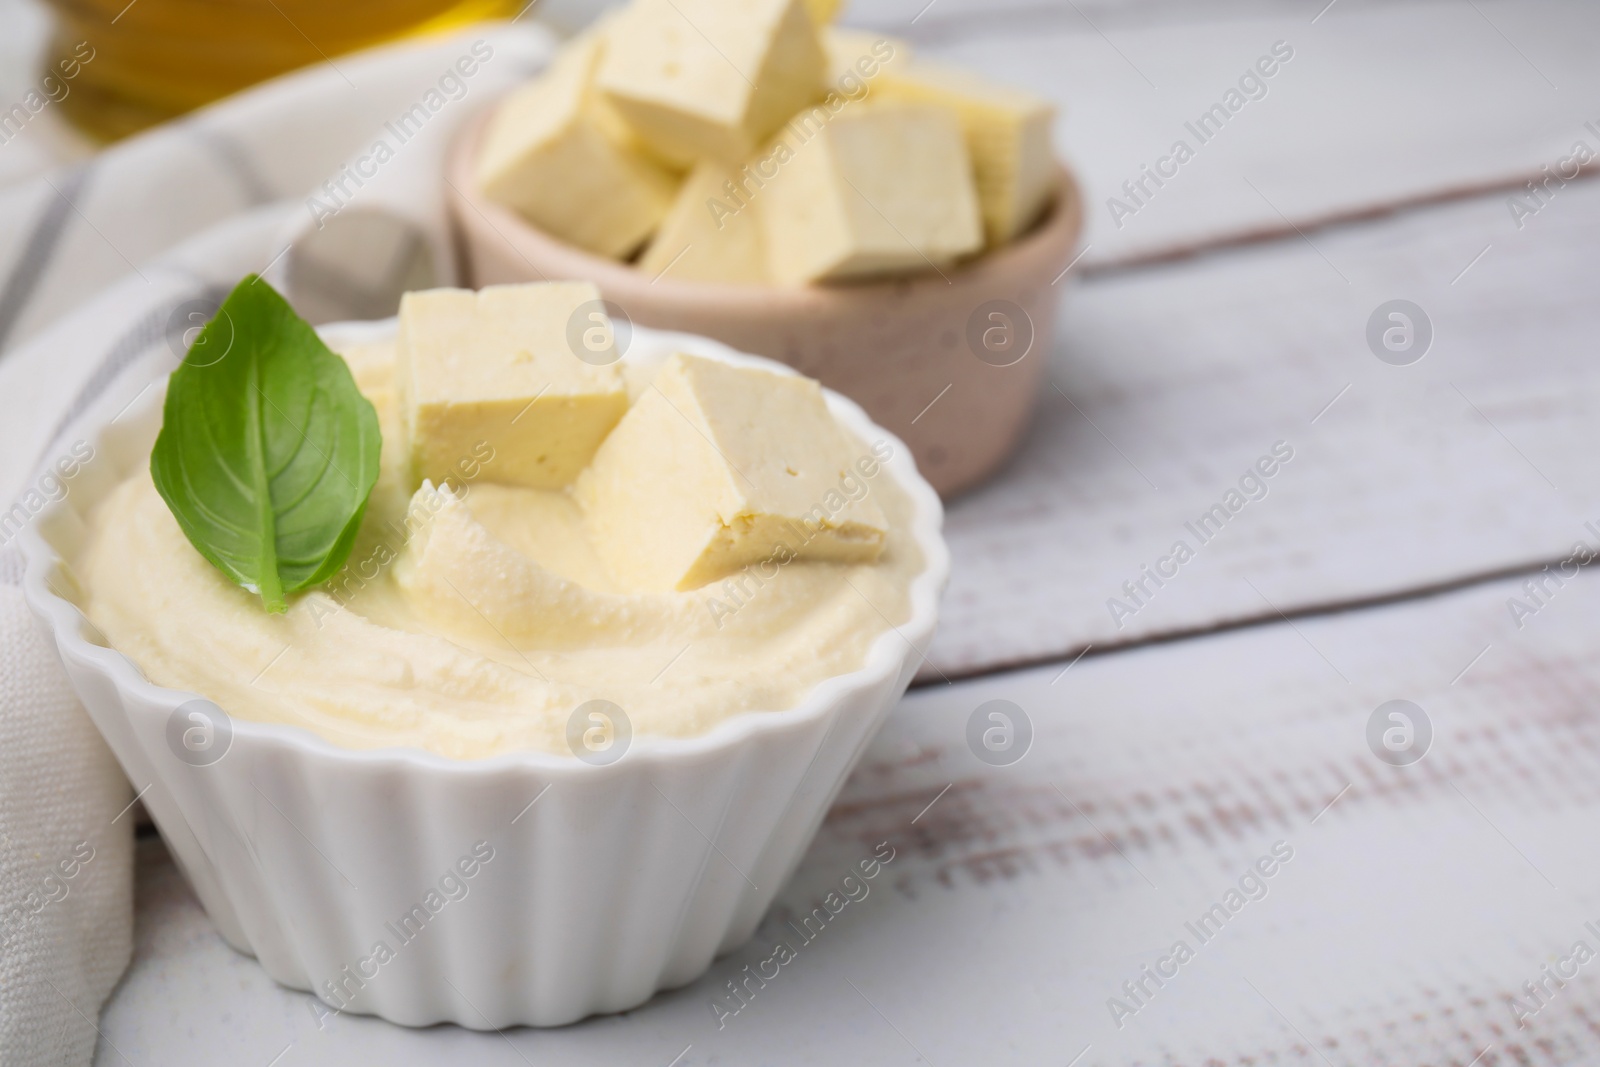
498,366
556,153
823,12
710,235
853,54
1008,136
717,467
711,78
877,189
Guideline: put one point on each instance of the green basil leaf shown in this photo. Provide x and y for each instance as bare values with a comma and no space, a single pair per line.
267,451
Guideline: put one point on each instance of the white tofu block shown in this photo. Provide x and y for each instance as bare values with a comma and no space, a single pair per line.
823,12
556,153
498,366
1008,136
877,189
711,78
717,467
861,56
712,233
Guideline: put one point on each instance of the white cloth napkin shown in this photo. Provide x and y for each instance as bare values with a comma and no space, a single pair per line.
109,262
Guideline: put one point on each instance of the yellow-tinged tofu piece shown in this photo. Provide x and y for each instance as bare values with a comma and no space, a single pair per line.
498,366
860,55
823,12
717,467
711,78
879,189
1008,136
710,235
556,153
605,113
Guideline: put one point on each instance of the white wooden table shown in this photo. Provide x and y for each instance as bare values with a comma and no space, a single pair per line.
1177,744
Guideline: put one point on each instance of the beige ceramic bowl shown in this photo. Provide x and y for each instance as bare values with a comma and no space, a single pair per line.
949,362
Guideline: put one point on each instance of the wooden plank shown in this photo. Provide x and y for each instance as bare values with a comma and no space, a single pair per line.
1170,384
1022,897
1380,104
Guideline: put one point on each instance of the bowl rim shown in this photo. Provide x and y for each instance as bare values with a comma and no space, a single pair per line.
884,660
1050,240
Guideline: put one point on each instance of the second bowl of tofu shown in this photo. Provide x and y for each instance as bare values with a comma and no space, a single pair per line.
900,236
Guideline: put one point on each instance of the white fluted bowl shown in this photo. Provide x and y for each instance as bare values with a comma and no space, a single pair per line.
620,881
